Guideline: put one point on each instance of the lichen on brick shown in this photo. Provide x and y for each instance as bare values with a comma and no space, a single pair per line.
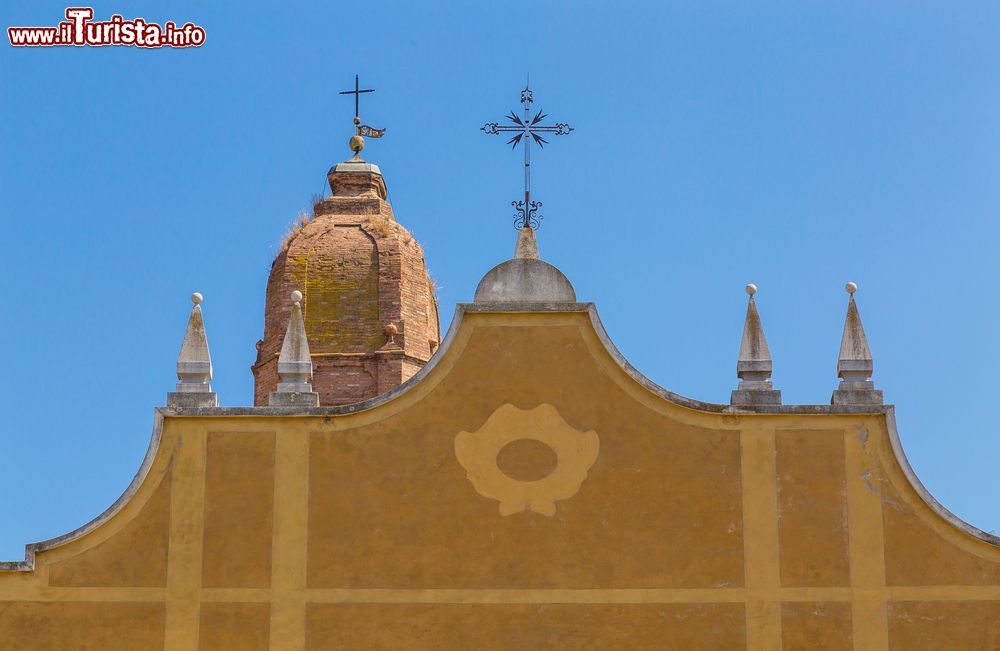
359,270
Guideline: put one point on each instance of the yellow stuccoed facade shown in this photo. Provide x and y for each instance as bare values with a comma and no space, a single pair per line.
526,490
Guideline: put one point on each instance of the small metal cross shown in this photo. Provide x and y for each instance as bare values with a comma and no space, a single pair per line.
525,130
357,93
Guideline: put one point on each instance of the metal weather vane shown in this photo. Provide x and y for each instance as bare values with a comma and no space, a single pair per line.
360,130
527,130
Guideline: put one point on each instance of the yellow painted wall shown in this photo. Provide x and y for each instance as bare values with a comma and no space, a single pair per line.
527,493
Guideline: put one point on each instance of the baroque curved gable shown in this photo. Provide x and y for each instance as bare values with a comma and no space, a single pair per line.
527,473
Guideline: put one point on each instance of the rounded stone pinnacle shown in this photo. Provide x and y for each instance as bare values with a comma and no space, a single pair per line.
751,289
197,298
851,287
296,297
357,143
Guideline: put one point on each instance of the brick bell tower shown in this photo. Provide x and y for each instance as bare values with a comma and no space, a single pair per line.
369,306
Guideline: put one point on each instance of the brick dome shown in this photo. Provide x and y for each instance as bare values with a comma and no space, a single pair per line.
368,303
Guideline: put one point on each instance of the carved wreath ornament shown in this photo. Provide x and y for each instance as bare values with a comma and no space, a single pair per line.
575,453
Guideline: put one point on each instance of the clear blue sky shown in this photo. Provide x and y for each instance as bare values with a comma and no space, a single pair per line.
788,144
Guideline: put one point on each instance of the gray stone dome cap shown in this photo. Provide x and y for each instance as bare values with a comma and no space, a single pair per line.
525,279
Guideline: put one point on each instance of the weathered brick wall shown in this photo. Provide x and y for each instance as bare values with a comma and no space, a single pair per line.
358,270
410,368
343,380
336,267
419,309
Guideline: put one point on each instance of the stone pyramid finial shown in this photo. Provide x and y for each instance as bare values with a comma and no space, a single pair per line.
294,364
194,365
527,244
754,364
855,364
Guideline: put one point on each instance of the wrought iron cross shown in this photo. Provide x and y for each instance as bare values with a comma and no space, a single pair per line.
525,130
357,94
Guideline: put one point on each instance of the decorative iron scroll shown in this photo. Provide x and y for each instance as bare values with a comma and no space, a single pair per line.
530,218
526,130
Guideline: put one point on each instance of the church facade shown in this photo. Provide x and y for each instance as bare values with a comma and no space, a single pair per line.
518,485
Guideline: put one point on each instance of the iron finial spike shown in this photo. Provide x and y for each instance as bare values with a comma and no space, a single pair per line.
526,215
357,142
357,94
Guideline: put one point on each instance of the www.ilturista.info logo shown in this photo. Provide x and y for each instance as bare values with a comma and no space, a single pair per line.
79,30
